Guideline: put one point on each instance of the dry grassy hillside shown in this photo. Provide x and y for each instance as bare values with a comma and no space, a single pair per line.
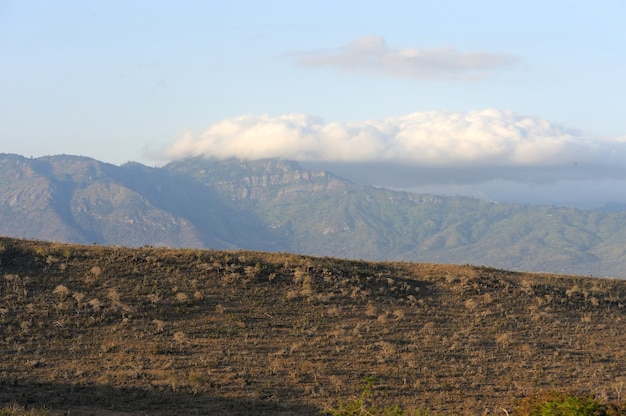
87,329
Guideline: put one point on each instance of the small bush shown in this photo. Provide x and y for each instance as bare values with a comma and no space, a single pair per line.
62,291
565,404
364,405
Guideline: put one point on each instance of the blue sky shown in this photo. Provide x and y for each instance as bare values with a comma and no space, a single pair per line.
511,100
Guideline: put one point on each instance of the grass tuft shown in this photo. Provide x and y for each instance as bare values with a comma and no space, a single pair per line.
15,409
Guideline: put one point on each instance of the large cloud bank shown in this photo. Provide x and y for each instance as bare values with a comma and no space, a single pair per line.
371,53
477,139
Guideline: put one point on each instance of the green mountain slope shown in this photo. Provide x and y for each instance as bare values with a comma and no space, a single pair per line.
276,205
322,214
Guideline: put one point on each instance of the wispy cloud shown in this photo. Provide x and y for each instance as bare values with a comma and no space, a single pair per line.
372,54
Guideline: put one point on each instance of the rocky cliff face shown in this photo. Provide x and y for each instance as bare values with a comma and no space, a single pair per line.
261,180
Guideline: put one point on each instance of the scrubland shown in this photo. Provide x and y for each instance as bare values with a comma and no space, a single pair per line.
113,331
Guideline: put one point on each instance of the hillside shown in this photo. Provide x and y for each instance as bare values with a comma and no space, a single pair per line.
274,205
160,331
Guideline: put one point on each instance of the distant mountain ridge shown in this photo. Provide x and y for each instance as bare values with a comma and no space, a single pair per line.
276,205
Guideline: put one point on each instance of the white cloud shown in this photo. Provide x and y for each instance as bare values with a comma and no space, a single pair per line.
371,53
621,139
483,138
436,148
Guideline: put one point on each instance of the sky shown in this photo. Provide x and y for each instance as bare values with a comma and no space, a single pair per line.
508,101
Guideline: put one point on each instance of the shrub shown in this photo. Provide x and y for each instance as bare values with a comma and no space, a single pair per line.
364,405
62,291
565,404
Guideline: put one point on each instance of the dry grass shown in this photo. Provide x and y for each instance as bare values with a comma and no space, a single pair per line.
164,331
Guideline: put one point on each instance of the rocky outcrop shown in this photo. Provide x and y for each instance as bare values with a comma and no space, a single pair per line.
261,180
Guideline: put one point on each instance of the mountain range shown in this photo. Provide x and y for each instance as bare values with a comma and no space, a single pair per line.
276,205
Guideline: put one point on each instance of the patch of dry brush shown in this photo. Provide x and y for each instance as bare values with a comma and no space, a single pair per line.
247,332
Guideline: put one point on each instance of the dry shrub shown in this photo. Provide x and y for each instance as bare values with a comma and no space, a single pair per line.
78,297
62,291
95,304
370,311
181,297
398,314
160,325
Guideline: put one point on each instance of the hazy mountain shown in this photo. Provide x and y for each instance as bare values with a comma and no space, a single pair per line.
276,205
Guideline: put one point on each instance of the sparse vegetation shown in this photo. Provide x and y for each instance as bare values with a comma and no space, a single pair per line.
558,403
365,405
166,331
18,410
545,403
